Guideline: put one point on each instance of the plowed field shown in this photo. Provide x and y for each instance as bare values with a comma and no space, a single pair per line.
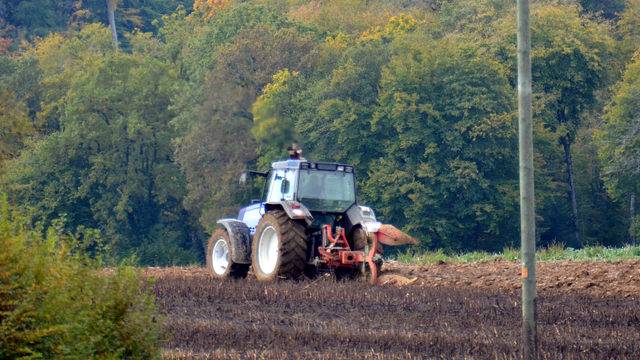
586,310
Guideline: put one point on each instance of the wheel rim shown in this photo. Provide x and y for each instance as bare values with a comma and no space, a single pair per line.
268,250
220,257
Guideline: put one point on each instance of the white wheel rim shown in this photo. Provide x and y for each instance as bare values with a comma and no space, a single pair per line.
268,250
220,257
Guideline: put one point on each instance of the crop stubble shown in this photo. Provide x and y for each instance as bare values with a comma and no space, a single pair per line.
328,319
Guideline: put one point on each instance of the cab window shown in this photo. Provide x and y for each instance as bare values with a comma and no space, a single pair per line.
282,185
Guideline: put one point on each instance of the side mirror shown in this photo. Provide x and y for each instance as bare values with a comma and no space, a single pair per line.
246,175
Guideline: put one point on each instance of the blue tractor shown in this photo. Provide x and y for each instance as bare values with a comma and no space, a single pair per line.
308,221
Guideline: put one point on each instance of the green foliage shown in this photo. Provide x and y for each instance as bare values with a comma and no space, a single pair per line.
570,56
55,303
110,166
39,16
605,221
620,138
511,253
572,63
199,52
244,47
589,253
274,127
472,16
30,19
19,95
348,16
147,141
19,102
14,126
427,257
553,252
609,9
628,30
21,76
446,125
334,114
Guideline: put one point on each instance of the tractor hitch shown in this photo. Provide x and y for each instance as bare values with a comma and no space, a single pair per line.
337,252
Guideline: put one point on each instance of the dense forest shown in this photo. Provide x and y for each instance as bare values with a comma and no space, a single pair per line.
133,118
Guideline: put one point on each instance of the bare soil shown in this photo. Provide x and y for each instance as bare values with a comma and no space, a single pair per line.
617,278
586,310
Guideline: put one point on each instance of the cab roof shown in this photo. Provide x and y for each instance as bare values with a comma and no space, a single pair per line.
295,164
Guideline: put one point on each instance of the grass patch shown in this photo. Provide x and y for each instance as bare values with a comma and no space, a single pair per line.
553,252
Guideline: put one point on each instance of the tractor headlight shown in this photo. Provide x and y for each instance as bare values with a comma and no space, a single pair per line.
298,212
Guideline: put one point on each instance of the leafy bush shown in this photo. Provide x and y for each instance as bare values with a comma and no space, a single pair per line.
56,303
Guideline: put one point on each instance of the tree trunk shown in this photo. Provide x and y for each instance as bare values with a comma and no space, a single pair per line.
112,20
574,207
632,216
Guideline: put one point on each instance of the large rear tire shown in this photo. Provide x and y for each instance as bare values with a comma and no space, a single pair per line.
279,247
219,259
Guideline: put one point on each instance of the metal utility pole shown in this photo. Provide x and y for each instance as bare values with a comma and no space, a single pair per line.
527,209
632,216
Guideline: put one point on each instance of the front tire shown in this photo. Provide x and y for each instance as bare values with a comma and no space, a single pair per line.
279,247
219,259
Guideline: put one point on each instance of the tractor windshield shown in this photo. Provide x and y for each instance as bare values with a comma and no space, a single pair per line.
326,191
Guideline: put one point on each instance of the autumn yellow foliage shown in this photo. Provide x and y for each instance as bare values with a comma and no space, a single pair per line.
208,8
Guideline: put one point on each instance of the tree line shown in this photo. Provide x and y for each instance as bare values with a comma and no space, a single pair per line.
142,138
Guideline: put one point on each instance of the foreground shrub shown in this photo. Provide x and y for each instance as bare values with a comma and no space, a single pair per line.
54,303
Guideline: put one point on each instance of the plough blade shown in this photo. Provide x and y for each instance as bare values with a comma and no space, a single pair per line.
390,235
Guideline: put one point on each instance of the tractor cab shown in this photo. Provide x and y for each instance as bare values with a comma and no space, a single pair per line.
325,190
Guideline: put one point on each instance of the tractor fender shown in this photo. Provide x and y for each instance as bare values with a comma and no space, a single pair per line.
294,210
352,218
240,240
